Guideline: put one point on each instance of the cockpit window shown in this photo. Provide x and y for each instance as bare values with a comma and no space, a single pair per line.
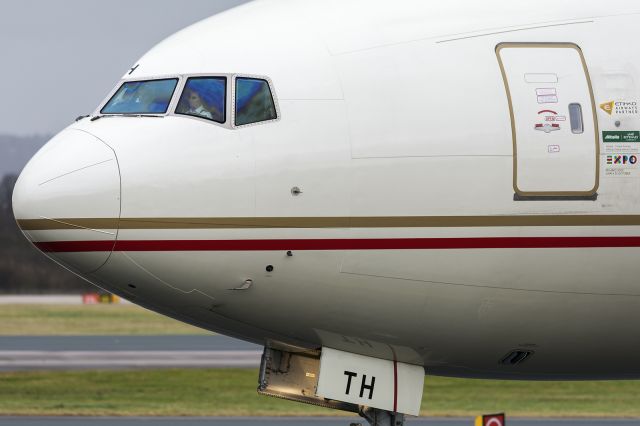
254,101
142,97
204,97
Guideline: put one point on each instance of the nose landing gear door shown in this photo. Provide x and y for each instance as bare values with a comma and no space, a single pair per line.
553,120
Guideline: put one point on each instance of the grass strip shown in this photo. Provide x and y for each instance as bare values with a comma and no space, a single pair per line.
231,392
178,392
59,320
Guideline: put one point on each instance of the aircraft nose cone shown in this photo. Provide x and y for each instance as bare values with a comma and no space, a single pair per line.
67,200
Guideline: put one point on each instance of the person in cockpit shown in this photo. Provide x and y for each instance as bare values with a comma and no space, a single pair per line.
204,97
196,106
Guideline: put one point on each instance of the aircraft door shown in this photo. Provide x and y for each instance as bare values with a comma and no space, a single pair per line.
553,120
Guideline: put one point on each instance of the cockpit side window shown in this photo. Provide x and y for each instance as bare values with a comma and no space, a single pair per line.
254,101
204,97
142,97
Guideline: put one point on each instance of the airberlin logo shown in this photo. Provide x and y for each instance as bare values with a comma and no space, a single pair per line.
621,160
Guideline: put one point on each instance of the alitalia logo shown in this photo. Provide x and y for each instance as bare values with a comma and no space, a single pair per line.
621,136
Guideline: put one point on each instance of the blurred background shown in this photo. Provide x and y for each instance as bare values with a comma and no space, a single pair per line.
59,60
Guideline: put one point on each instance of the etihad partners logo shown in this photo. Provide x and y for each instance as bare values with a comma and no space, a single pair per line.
608,107
620,107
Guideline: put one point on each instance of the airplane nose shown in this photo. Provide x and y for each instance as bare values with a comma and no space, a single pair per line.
67,200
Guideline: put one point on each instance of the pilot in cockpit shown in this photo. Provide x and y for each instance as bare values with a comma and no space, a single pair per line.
204,97
196,106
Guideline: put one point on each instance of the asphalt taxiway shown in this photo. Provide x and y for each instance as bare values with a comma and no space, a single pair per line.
122,352
202,342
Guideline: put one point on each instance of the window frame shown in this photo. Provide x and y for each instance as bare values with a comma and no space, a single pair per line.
230,114
183,85
233,100
122,82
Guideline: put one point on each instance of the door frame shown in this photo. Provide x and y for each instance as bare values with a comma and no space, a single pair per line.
548,194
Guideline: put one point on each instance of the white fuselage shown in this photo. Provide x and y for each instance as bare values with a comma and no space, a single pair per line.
406,239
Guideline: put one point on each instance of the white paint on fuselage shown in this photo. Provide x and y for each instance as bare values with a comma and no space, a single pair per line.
380,116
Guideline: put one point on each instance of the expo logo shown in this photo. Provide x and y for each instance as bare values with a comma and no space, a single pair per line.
622,160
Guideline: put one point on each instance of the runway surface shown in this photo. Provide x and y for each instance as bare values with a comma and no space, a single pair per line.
121,352
289,421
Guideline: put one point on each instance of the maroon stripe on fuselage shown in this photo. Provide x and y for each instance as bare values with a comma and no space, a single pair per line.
339,244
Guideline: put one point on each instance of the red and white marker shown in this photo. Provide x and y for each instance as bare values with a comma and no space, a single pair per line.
491,420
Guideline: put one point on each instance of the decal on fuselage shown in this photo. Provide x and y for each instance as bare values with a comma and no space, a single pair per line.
620,107
550,123
547,95
621,165
621,136
621,141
